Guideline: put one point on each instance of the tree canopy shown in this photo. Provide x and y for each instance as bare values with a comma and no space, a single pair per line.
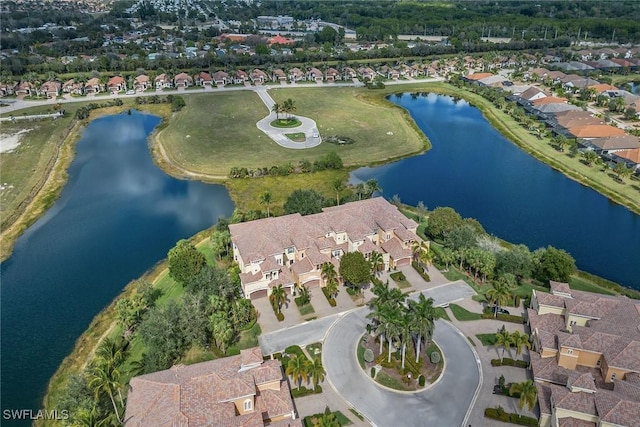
185,261
355,269
442,221
555,264
304,202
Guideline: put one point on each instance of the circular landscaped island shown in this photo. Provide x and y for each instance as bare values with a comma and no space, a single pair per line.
290,122
386,369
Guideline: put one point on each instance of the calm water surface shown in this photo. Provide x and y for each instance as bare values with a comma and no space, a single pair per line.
117,216
479,173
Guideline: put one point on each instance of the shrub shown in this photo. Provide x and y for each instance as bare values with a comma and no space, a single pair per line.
373,371
368,355
522,420
495,362
305,391
435,357
417,267
504,317
398,276
497,414
280,317
330,299
421,380
510,362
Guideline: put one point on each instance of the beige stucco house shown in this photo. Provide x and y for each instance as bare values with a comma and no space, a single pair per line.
290,250
587,360
240,390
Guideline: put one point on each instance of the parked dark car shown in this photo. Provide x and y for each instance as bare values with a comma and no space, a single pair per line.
500,310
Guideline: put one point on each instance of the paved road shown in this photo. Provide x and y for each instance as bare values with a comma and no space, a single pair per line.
443,404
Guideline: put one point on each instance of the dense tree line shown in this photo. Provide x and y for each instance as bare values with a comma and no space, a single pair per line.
330,161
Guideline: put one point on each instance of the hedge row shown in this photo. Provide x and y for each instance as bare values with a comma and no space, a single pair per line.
330,161
510,362
504,317
330,299
303,391
508,417
417,267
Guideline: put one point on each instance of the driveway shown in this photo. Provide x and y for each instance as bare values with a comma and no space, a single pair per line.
303,334
443,404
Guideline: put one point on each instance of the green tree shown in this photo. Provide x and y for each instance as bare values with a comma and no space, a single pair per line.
327,419
442,221
355,269
337,185
517,261
304,202
622,171
520,340
422,211
277,108
278,297
298,368
265,199
220,242
461,237
504,340
305,295
162,334
316,371
328,272
377,262
185,261
630,113
104,379
528,393
423,315
372,187
555,264
590,157
447,256
499,294
289,107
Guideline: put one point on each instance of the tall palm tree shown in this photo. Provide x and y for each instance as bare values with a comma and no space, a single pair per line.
298,368
276,108
337,186
393,329
423,315
504,340
447,257
265,199
332,288
377,262
528,393
104,378
278,297
372,187
316,371
289,106
328,272
418,247
499,294
519,341
404,335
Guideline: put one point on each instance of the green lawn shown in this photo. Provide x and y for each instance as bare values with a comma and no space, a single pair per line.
487,339
390,382
463,314
400,280
216,132
584,285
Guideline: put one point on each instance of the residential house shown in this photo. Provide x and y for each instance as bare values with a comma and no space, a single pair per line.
72,87
242,390
239,77
279,75
631,158
389,72
349,73
612,144
493,81
283,41
7,89
93,85
50,89
221,78
25,88
586,364
183,80
366,73
259,77
563,121
331,75
141,83
407,71
116,84
594,131
202,79
163,81
315,75
290,250
296,75
531,94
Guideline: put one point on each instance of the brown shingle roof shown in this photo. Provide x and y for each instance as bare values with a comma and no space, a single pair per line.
616,142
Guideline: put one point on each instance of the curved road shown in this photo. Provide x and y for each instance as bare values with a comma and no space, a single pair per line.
443,404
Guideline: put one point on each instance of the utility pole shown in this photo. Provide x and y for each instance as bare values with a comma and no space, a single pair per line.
613,35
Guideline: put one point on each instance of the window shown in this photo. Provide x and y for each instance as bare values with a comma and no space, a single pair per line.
613,376
290,250
569,351
573,322
599,362
248,405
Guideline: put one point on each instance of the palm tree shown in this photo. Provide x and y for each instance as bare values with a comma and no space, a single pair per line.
328,272
278,297
622,171
265,199
327,419
426,257
520,340
528,393
332,288
372,187
305,295
316,372
418,247
377,262
404,332
289,107
499,294
105,378
590,157
447,257
276,108
504,340
298,368
423,316
337,186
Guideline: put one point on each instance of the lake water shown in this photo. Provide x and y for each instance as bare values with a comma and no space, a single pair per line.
479,173
116,217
